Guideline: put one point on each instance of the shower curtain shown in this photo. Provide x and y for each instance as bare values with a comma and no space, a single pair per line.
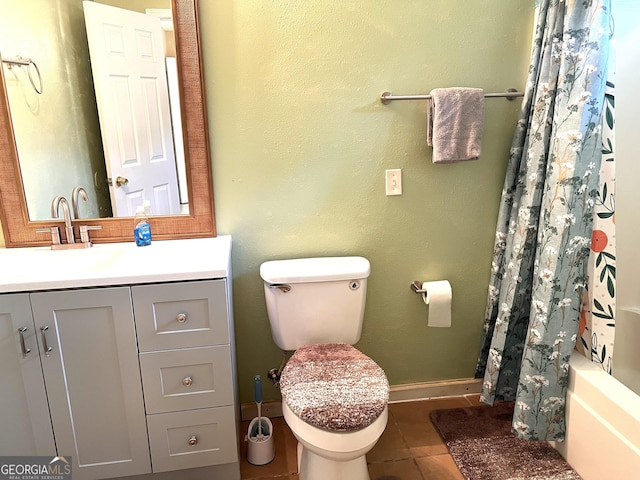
545,220
597,319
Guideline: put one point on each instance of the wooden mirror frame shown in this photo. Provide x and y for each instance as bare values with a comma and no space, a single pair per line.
19,231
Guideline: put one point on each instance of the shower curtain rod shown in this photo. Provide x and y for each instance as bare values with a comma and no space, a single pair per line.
388,97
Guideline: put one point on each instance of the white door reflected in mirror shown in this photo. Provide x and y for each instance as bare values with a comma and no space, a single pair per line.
132,96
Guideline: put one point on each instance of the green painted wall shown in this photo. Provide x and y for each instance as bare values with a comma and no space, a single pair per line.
57,133
300,143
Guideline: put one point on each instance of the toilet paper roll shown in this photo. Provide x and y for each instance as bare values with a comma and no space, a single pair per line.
437,296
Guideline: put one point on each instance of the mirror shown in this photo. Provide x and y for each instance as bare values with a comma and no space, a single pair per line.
20,230
107,66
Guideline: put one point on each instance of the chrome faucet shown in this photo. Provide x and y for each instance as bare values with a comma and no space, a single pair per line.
56,244
77,192
68,227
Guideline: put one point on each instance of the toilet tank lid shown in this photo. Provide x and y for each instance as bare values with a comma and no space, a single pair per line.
322,269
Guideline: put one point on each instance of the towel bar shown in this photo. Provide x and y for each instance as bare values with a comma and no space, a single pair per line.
27,62
388,97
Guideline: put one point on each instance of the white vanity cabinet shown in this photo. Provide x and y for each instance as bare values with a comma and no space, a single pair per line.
90,363
24,414
186,364
124,361
70,372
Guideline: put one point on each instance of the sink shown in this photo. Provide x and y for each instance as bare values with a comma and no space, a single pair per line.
27,268
41,268
47,265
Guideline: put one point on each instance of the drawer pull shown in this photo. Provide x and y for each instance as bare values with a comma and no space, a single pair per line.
47,348
182,317
25,351
187,381
193,440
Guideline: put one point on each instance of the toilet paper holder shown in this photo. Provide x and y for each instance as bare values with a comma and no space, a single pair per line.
416,286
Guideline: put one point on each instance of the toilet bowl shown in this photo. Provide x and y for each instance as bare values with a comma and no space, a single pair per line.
334,397
335,402
324,455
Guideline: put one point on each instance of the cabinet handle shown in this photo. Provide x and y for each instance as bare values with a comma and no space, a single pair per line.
182,317
193,440
25,351
47,348
187,381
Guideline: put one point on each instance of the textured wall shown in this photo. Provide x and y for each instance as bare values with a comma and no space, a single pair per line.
57,133
300,144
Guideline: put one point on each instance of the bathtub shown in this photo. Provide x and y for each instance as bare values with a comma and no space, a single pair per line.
603,424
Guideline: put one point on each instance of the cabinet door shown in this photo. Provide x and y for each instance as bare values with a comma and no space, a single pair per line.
24,414
93,380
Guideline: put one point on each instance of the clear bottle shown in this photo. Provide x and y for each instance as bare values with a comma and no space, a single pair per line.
146,205
141,230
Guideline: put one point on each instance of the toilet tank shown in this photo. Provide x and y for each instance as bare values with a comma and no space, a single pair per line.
315,300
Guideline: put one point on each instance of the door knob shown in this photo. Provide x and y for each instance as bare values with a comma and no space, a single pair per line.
120,181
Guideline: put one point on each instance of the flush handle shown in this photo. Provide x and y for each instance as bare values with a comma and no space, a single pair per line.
283,287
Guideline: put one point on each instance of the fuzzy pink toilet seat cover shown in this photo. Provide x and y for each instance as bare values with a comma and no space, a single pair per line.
334,386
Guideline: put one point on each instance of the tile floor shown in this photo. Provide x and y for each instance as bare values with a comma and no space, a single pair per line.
409,449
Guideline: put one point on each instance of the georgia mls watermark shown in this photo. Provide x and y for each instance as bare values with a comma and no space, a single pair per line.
35,468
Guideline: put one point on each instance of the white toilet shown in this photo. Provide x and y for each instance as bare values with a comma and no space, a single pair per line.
334,398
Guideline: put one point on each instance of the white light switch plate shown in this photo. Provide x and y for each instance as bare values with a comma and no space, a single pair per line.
393,181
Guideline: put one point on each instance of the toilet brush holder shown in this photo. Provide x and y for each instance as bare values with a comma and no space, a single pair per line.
261,449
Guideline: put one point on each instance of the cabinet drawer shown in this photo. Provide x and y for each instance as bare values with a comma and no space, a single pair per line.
177,315
195,438
187,379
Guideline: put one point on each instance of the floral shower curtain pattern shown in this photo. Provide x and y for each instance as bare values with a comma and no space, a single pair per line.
597,319
545,220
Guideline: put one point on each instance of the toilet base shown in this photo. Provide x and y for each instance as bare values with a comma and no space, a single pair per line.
312,466
324,455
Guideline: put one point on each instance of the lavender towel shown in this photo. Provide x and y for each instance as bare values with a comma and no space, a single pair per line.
454,124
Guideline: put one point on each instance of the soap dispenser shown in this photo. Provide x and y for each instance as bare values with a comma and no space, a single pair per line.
142,229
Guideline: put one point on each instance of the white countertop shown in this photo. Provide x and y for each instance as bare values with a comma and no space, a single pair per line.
40,268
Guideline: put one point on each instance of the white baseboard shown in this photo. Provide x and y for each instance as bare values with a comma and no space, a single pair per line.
427,390
398,393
